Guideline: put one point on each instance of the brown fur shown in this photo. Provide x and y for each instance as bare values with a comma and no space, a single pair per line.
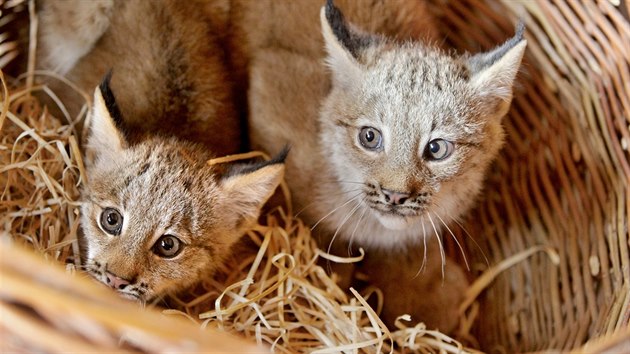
169,109
410,90
168,60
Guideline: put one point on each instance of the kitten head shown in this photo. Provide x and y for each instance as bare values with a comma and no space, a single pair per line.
415,126
155,215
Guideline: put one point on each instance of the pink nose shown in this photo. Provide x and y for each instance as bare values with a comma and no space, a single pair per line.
116,282
395,198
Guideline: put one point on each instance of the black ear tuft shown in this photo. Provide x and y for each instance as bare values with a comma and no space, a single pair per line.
248,168
351,41
520,30
110,100
280,157
482,61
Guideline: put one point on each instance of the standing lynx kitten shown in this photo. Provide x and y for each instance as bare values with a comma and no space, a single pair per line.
387,147
155,216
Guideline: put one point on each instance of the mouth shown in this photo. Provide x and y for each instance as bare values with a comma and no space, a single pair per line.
395,220
131,292
396,211
130,296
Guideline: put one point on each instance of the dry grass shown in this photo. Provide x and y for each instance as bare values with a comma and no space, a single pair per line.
278,296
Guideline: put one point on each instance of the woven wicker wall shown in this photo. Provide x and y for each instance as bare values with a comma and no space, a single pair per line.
562,179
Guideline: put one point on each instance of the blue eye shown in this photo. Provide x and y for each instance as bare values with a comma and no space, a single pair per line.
370,138
439,149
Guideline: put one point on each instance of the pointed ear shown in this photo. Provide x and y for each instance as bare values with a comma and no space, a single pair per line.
343,45
493,72
247,188
106,138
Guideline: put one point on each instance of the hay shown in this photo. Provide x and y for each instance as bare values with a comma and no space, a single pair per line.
279,296
554,223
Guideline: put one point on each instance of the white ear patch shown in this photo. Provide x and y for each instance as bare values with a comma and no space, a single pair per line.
246,193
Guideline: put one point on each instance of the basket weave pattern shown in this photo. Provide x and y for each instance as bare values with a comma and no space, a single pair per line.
562,179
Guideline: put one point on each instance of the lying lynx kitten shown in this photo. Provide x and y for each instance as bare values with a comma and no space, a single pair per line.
155,216
392,146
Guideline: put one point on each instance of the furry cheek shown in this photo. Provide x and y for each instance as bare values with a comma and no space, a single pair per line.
178,273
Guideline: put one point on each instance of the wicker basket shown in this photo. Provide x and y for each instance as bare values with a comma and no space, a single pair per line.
560,185
562,179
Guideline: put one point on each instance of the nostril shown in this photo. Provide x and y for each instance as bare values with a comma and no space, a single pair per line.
395,198
115,281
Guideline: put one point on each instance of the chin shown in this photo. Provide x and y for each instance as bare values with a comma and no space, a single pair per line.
397,222
130,297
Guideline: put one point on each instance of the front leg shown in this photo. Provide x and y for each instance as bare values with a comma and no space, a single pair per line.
427,295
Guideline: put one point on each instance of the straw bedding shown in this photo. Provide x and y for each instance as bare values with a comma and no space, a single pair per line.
553,222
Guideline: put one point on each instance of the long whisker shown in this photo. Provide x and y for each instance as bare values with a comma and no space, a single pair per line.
356,226
423,267
442,254
336,181
473,240
461,249
485,257
343,222
330,195
334,210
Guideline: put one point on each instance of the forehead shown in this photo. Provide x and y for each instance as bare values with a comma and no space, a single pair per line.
428,88
152,176
416,64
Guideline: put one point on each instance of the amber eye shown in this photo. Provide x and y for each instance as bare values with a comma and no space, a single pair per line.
370,138
168,246
439,149
111,221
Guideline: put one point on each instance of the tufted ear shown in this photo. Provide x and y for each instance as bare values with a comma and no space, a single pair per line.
343,45
105,139
248,187
493,72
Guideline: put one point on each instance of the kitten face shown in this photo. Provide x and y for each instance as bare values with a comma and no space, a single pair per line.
413,127
155,216
413,143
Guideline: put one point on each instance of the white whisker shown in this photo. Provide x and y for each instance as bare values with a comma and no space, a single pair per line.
473,240
356,226
461,249
442,254
331,195
341,181
423,267
334,210
466,232
343,222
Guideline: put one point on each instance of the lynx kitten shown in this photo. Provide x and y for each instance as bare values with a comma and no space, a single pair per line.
155,216
389,146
